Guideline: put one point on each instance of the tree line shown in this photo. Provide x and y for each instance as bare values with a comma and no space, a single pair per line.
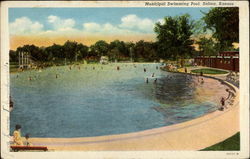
74,51
174,40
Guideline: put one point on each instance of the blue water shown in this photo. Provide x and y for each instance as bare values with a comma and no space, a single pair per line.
102,101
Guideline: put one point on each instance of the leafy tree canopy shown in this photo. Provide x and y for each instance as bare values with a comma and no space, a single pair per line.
208,46
224,23
173,36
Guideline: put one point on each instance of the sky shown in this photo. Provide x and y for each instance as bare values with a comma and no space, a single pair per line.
45,26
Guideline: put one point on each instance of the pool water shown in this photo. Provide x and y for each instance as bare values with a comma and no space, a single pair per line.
94,100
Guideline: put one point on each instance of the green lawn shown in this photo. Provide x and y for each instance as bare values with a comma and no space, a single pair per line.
209,71
230,144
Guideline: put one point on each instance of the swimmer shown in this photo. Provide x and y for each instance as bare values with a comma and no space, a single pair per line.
93,68
56,76
157,67
155,80
153,74
30,78
16,76
146,80
145,70
118,68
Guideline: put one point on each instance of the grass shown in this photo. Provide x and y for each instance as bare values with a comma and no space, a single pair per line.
230,144
209,71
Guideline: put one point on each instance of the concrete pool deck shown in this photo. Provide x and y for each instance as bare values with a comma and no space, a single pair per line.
195,134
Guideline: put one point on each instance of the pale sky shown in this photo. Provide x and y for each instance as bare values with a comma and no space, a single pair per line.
45,26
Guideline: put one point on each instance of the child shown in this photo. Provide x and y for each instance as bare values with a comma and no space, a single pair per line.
27,143
17,136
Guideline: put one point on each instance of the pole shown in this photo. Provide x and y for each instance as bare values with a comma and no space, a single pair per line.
19,59
22,59
25,59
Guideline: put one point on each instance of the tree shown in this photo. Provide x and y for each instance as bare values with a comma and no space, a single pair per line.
35,52
113,54
13,56
145,50
82,50
100,48
121,48
224,24
207,46
173,37
70,50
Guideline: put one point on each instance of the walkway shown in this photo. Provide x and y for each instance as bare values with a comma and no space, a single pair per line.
219,76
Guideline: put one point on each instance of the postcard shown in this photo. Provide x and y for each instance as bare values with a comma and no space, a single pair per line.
124,79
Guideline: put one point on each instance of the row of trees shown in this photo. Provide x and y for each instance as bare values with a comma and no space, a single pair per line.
174,39
73,51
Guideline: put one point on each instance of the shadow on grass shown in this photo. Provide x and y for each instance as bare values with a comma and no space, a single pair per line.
230,144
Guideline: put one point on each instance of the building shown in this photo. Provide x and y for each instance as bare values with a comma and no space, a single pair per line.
104,60
228,60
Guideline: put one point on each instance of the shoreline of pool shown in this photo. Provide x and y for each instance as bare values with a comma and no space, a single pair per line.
210,129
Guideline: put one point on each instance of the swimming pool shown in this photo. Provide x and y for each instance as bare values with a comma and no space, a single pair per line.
94,100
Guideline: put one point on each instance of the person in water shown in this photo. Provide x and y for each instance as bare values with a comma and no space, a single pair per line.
17,135
153,74
157,67
155,80
145,70
146,80
118,68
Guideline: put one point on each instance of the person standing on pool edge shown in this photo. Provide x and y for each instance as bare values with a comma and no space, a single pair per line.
17,136
222,101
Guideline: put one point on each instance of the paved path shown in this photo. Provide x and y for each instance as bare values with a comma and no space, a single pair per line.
219,76
195,134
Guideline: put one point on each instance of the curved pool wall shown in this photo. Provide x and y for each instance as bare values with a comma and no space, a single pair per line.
88,101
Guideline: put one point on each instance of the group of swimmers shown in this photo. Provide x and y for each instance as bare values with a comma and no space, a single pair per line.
79,68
